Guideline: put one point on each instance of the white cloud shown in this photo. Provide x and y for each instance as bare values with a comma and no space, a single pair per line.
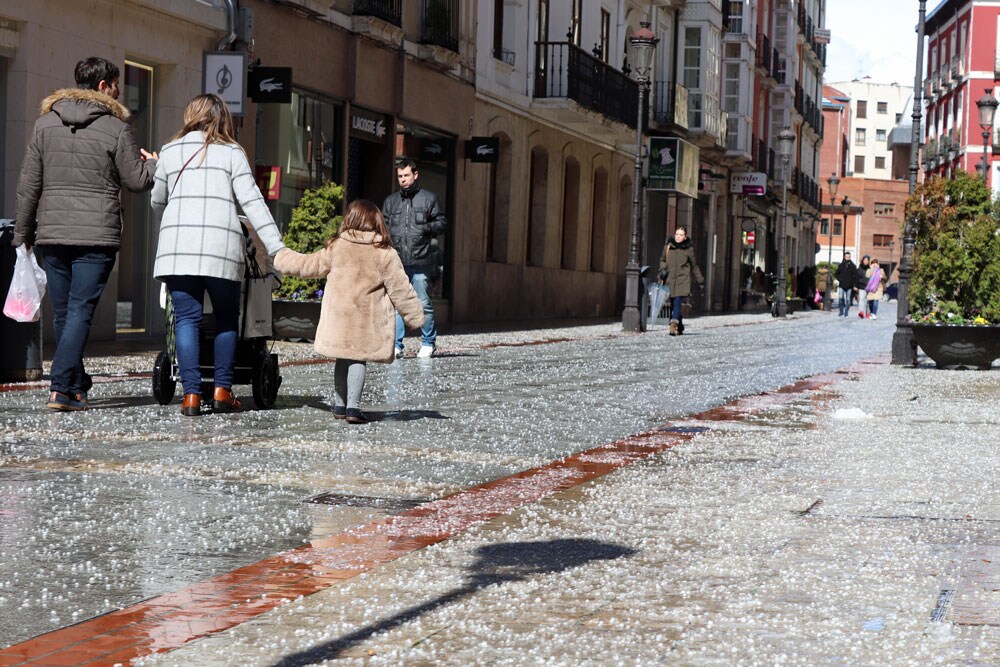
875,38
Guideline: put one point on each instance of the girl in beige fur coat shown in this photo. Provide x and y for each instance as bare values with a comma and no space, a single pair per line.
365,287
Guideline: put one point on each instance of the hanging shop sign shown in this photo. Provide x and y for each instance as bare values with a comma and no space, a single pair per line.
822,35
436,150
673,166
224,73
680,106
482,149
270,85
748,183
368,125
269,181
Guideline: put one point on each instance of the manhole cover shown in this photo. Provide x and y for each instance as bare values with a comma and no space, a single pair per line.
373,502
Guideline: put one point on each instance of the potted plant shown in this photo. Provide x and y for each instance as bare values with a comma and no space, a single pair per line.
955,286
297,301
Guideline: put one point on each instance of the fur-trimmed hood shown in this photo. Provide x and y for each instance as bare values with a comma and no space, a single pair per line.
79,106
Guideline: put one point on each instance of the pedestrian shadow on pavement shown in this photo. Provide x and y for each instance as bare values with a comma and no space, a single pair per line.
294,402
118,402
495,564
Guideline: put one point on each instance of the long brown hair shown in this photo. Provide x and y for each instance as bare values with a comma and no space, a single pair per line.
210,115
364,216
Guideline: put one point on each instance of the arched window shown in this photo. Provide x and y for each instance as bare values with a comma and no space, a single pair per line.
537,198
571,213
599,220
498,211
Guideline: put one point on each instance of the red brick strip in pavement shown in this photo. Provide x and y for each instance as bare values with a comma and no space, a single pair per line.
172,620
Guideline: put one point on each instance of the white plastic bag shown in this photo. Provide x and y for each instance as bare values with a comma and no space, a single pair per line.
27,287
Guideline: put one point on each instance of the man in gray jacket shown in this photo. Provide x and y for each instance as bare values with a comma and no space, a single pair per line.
414,218
68,203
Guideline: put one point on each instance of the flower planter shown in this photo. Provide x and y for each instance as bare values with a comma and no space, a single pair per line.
295,320
959,347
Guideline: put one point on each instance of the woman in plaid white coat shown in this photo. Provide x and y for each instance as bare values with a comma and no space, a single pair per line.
202,174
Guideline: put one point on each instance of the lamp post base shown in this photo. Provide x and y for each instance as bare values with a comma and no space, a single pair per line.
632,319
904,348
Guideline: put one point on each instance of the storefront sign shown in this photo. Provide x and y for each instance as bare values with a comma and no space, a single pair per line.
368,125
269,181
270,85
822,35
673,166
436,150
748,183
482,149
680,106
224,73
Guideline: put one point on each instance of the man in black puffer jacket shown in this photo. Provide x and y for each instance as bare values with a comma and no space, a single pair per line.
414,218
846,275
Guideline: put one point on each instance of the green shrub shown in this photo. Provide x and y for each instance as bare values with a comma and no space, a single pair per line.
956,275
314,221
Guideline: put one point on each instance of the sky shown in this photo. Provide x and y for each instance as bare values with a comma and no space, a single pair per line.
875,38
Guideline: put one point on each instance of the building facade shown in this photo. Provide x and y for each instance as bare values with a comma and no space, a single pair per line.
875,110
961,64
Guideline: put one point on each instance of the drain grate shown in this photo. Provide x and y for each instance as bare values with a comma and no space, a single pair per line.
943,601
373,502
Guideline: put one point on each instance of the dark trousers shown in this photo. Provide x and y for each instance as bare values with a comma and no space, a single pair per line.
76,278
677,308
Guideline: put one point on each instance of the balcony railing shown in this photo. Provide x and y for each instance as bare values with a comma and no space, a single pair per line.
565,70
390,11
439,24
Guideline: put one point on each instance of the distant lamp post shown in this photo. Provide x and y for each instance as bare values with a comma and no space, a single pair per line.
987,112
786,139
833,183
642,45
845,205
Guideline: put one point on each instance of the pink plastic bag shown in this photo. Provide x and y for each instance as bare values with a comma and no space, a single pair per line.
27,287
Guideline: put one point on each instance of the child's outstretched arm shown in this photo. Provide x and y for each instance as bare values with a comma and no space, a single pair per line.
400,291
314,265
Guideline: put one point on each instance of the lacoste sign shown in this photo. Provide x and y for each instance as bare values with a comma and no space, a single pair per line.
482,149
368,125
270,85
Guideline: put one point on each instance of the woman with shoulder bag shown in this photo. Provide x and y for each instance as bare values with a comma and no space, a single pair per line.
677,265
202,174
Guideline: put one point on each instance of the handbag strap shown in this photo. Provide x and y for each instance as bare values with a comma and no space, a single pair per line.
193,156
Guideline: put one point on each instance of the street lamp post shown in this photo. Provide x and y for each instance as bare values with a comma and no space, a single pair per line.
643,44
833,182
904,350
786,139
987,111
845,204
892,249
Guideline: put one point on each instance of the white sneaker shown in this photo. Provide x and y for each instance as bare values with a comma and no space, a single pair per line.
874,316
426,351
399,353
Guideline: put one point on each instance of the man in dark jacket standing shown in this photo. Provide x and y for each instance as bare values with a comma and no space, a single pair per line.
414,218
80,154
846,275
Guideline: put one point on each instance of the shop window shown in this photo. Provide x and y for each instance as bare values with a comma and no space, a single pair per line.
571,213
538,200
302,139
498,214
599,220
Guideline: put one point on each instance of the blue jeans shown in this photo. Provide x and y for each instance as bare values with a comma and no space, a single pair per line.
676,308
187,294
76,278
844,297
428,332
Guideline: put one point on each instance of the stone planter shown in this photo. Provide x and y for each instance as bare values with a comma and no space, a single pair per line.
959,347
295,320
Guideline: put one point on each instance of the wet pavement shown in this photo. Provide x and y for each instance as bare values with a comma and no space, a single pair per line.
781,530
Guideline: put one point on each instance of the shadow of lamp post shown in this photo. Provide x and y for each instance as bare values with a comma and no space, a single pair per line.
642,45
833,183
786,139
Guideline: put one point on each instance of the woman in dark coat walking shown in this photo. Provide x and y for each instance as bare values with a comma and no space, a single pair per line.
677,265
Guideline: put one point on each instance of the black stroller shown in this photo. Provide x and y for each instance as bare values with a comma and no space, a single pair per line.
256,365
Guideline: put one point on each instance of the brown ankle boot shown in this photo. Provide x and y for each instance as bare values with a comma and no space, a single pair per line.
674,327
224,401
191,407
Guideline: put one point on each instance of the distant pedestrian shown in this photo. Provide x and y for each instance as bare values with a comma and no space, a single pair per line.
875,287
414,219
677,266
204,173
860,283
365,282
845,276
81,152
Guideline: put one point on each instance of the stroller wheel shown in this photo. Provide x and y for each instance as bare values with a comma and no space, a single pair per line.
266,381
163,384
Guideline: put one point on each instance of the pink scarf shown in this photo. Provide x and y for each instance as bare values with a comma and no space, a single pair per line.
874,281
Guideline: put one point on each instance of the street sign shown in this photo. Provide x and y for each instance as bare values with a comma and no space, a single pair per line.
224,73
673,166
748,183
751,238
822,35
